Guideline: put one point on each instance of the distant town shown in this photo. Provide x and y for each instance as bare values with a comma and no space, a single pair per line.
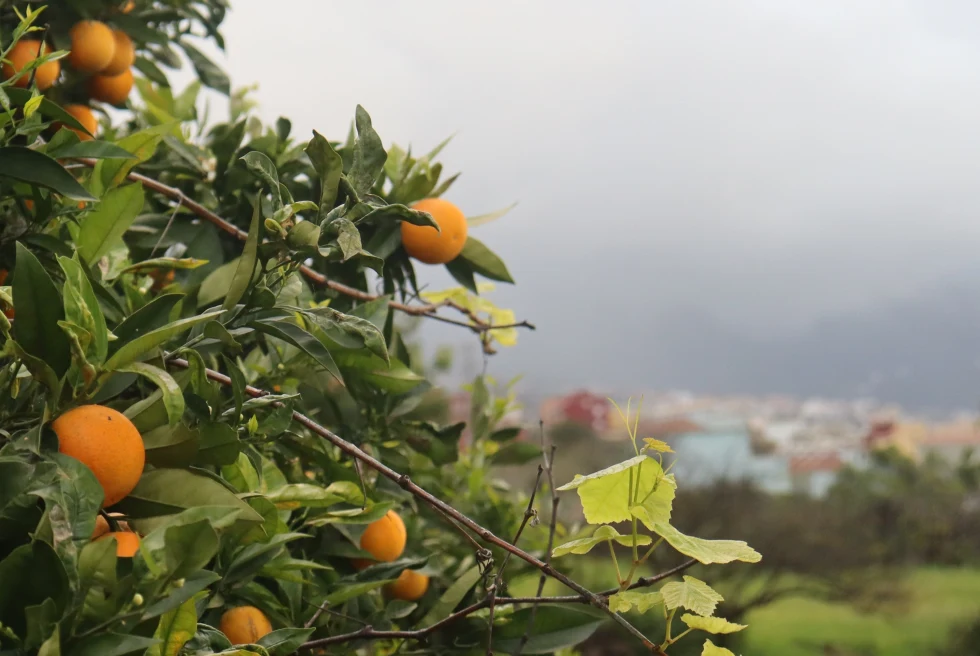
780,443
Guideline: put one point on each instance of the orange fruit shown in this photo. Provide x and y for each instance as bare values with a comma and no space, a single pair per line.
384,539
409,586
425,243
86,117
92,46
161,278
102,526
244,625
127,543
24,52
112,89
106,442
124,56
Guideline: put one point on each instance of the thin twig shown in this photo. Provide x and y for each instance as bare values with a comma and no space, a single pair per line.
476,324
548,459
406,484
529,512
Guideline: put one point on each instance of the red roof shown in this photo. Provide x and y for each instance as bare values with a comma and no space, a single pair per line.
815,462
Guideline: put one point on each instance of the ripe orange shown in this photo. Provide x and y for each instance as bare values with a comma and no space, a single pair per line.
384,539
24,52
86,117
112,89
125,54
161,278
425,243
102,526
244,625
106,442
92,46
410,586
127,543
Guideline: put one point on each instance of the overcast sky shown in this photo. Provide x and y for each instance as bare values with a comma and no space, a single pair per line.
768,164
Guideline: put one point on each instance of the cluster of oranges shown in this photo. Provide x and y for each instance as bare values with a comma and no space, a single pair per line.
108,443
103,54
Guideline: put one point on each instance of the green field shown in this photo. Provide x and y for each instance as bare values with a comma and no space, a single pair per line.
940,599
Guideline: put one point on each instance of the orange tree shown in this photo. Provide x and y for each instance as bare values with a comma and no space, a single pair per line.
215,436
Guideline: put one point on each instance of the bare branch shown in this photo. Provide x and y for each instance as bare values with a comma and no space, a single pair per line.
548,459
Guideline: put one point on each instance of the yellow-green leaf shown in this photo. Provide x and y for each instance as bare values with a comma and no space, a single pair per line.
622,602
605,495
176,627
602,534
704,551
692,594
657,445
714,625
710,649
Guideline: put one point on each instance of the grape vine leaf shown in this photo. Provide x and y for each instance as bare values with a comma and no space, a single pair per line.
605,495
622,602
692,594
704,551
710,649
602,534
711,624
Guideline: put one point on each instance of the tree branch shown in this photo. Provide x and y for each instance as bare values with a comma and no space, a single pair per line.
403,480
475,324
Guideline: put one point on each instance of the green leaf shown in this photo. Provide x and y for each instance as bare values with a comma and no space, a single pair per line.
186,548
605,495
554,629
173,397
245,271
303,495
48,108
692,594
365,332
143,345
263,168
462,272
36,328
283,642
72,502
451,597
206,70
713,625
36,168
474,221
623,602
396,378
104,227
602,534
349,591
90,149
82,307
218,444
484,261
516,453
711,650
176,627
659,446
111,644
369,154
151,71
31,573
218,282
193,584
704,551
151,316
304,341
142,145
329,166
401,213
170,491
